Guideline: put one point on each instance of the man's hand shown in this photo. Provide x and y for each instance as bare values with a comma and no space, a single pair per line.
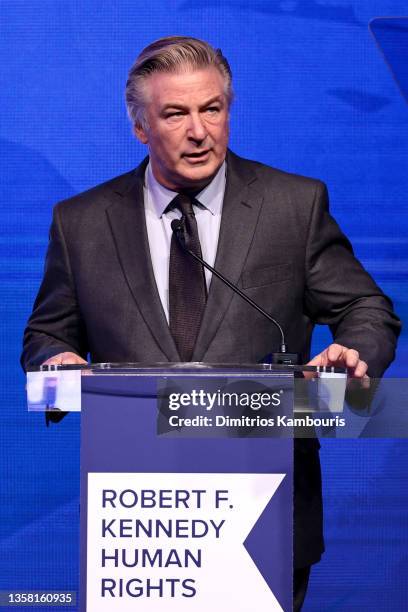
340,356
65,359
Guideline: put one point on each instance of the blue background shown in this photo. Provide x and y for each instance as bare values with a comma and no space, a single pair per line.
314,96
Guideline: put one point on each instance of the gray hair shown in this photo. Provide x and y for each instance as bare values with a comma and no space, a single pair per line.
171,54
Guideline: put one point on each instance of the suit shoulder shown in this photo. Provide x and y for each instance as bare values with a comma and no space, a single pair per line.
97,197
289,180
277,179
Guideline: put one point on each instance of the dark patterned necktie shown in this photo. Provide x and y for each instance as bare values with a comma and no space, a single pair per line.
187,288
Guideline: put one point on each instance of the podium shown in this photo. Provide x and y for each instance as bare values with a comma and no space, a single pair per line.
126,446
186,483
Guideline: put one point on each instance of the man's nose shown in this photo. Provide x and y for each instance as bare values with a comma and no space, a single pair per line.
196,128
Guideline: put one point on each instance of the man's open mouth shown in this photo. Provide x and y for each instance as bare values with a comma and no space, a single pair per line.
197,154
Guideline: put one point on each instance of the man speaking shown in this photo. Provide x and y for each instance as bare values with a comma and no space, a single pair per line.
119,287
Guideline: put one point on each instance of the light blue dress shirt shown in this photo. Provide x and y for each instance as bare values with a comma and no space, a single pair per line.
159,232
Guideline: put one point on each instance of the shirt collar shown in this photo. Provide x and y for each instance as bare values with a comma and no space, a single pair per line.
210,197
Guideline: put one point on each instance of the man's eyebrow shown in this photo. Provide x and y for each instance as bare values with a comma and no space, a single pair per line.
212,100
173,106
180,106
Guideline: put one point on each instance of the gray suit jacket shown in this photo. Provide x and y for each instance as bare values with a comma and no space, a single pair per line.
277,241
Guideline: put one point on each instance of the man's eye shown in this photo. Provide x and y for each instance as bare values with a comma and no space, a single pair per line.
174,114
212,110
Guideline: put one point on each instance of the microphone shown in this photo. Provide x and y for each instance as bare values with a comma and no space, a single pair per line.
283,356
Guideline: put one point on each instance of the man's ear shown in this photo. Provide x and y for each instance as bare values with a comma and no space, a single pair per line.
140,133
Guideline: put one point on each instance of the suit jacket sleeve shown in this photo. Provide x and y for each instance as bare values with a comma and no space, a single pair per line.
341,294
55,325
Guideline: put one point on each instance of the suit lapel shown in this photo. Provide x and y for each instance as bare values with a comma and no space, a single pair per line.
126,217
241,207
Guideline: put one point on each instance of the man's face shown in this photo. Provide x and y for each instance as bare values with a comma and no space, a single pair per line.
187,127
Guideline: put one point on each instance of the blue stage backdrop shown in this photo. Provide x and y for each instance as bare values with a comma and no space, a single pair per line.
315,96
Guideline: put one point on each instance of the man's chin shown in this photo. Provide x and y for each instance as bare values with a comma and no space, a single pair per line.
198,175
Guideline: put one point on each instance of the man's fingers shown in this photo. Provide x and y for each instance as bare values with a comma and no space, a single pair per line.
341,356
335,353
365,382
66,358
315,361
352,358
56,360
360,370
72,359
319,360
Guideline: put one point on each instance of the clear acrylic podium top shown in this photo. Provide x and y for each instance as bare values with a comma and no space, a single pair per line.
189,368
340,406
